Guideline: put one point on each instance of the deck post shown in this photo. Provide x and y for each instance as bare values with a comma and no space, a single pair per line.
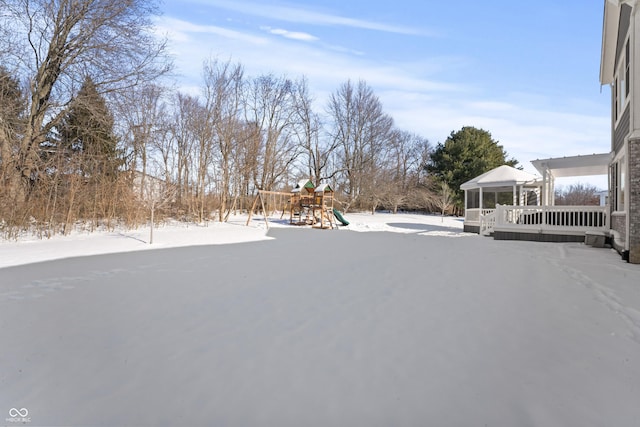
466,206
545,184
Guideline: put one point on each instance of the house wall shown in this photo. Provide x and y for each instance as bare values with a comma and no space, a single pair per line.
632,206
634,200
625,133
621,131
619,225
623,30
619,138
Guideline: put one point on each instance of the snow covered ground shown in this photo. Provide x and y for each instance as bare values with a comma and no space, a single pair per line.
29,249
412,323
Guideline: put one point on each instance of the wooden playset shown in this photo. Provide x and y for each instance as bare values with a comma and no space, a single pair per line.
310,205
307,205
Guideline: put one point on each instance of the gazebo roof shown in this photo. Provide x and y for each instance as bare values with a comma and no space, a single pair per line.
502,176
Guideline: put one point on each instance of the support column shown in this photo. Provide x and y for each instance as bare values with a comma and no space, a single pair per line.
545,186
521,199
466,206
538,197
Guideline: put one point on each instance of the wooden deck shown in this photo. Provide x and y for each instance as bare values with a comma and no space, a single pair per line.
538,223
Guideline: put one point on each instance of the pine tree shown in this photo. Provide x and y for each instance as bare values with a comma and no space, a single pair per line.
86,134
12,105
11,98
464,155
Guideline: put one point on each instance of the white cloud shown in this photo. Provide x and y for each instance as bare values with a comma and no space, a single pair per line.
325,66
294,35
306,16
182,31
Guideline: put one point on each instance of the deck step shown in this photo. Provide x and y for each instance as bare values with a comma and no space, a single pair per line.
596,239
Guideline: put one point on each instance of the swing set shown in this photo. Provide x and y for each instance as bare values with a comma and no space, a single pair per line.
307,205
271,197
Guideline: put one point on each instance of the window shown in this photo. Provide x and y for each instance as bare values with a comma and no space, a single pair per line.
618,176
616,91
622,84
613,176
622,168
627,67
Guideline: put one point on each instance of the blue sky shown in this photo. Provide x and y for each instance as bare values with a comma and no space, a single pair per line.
526,71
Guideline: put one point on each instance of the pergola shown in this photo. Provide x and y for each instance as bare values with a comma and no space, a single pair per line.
573,166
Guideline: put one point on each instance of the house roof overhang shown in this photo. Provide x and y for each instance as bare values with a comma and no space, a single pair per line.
611,21
609,40
561,167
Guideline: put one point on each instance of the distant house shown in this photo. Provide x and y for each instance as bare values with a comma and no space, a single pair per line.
620,69
148,187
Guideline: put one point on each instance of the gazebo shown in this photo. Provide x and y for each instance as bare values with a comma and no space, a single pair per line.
503,185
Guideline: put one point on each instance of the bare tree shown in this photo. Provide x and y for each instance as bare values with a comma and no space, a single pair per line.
163,144
245,162
183,129
443,199
407,155
308,130
141,113
223,94
578,194
56,43
362,130
269,107
203,134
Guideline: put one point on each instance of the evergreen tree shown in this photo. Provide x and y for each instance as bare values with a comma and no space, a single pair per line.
86,133
12,105
11,98
466,154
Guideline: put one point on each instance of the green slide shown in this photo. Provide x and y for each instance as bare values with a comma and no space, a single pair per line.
339,217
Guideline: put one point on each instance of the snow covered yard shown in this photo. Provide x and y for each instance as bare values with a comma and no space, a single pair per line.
30,249
412,324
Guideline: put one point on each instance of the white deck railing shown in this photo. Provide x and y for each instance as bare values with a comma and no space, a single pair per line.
487,222
567,219
474,215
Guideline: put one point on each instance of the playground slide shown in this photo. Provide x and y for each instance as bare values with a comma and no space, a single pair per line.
339,217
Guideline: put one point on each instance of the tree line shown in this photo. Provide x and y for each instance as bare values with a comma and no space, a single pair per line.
90,130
